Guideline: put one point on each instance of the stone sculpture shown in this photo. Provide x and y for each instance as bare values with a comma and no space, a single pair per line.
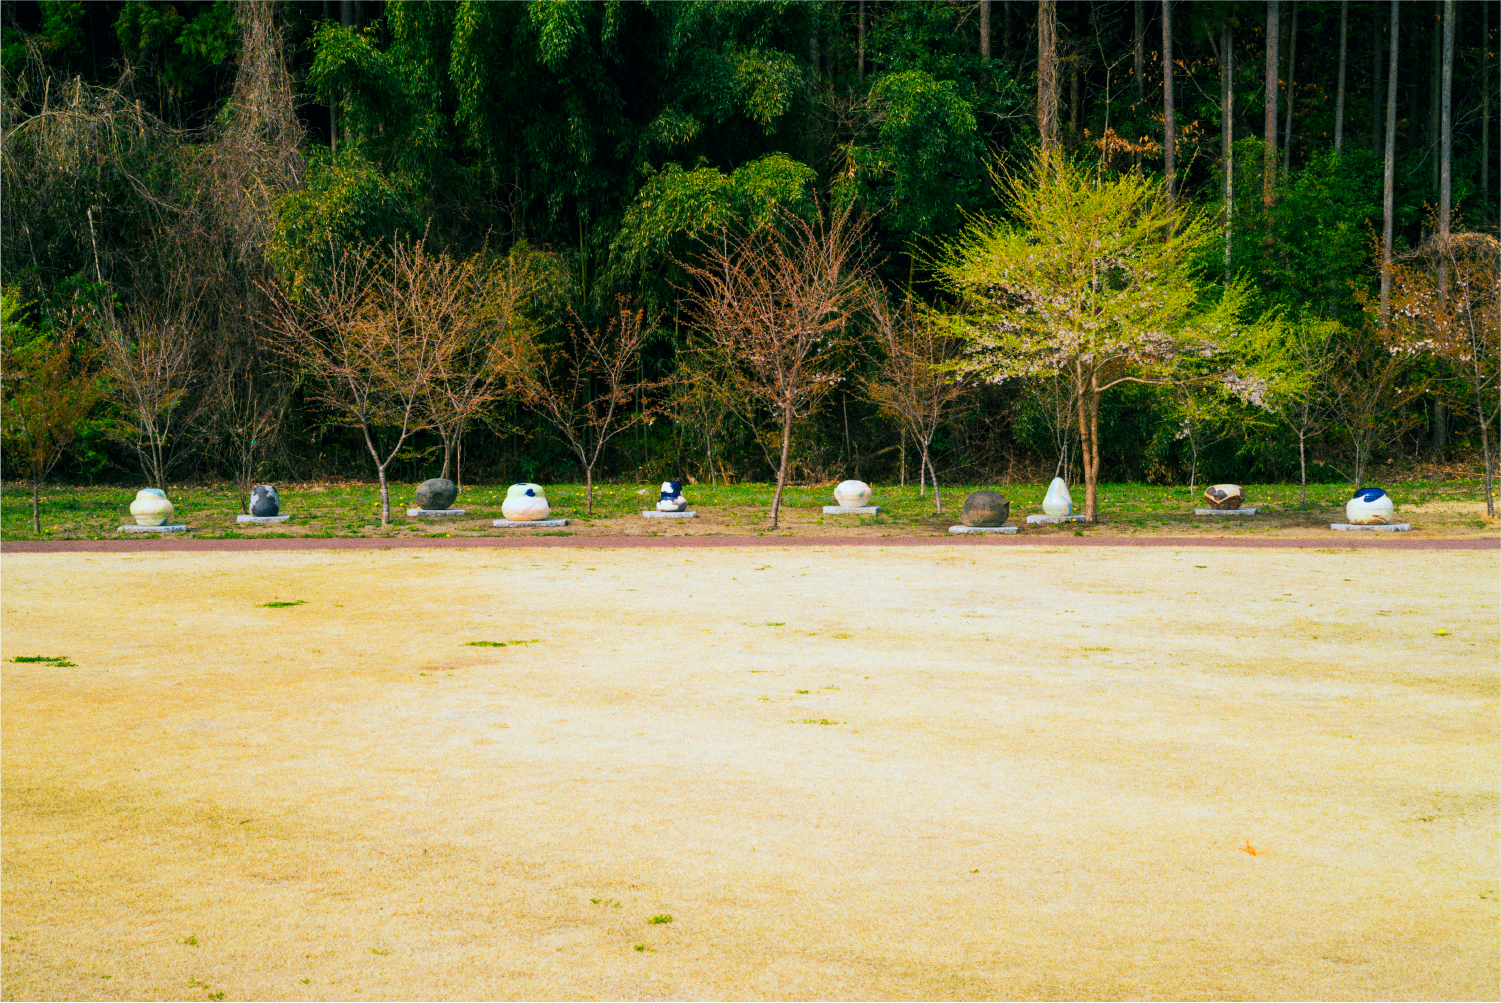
985,508
852,494
525,503
1058,502
1369,507
264,501
437,494
151,507
1225,496
672,499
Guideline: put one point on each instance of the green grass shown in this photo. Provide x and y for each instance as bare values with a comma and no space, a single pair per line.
351,510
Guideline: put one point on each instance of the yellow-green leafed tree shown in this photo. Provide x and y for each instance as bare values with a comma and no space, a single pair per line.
1092,277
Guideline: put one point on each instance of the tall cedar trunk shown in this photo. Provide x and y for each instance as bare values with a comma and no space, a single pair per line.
1292,55
1485,105
1269,126
1438,431
985,30
347,20
860,64
1047,76
1446,135
1390,174
1376,78
776,501
1227,130
1168,138
1339,100
1006,30
1433,103
1139,63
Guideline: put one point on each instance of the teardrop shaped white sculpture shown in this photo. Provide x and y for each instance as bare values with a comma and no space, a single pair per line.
1369,507
525,503
852,494
151,507
1058,501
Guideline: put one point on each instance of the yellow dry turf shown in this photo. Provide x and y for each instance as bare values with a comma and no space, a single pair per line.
915,773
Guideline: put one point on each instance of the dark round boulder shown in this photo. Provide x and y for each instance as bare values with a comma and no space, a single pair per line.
985,508
264,500
437,494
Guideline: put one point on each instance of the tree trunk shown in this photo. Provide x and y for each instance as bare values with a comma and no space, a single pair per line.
385,496
776,501
985,30
448,440
859,58
937,499
904,457
1438,430
36,506
1446,135
1434,102
1292,53
589,489
1269,126
1168,138
1047,77
1376,78
1302,470
1006,31
1485,105
1088,426
1389,177
1339,100
1487,459
1139,63
1227,130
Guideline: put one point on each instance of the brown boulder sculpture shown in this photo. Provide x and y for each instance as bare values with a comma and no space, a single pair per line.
985,508
1223,496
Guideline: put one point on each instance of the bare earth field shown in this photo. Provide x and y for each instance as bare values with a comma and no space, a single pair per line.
916,772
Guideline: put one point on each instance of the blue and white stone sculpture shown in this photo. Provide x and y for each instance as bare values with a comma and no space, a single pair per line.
264,501
672,499
1058,501
1369,507
525,503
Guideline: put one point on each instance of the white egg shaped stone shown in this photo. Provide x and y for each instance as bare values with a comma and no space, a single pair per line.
852,494
525,503
151,507
1369,507
1058,501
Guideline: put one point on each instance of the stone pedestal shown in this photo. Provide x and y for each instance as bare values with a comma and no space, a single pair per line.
653,514
1224,511
1388,527
526,523
966,530
262,518
1052,520
177,528
433,513
851,509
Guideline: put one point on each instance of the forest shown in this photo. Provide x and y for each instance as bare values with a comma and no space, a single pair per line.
944,240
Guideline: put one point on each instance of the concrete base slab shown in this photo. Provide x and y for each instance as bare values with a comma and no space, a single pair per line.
433,513
654,514
524,524
1052,520
851,509
1389,527
1224,511
174,528
982,529
262,518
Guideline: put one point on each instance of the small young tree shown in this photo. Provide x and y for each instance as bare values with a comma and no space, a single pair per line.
1370,388
914,381
775,299
149,357
365,358
1447,300
1093,278
47,389
581,385
245,409
1301,355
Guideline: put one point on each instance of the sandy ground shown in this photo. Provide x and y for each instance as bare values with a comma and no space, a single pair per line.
1040,770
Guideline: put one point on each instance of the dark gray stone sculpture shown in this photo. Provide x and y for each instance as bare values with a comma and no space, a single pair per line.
264,500
985,508
438,493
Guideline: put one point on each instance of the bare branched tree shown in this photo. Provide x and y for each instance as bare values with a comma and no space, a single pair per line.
913,381
776,300
581,384
245,411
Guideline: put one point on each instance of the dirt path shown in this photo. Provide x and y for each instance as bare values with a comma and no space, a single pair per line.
1039,771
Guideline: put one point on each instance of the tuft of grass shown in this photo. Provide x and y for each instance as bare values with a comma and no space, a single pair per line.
840,635
499,644
662,918
376,950
280,605
772,624
191,940
800,691
61,661
822,720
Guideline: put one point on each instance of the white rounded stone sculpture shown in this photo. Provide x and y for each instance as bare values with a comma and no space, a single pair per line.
1369,507
151,507
672,499
525,503
852,494
1058,501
